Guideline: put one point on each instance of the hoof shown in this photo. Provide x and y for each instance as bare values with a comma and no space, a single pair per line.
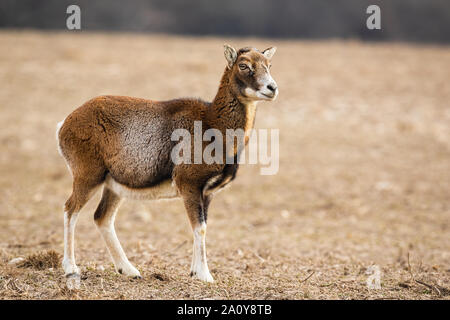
129,271
72,275
73,281
203,276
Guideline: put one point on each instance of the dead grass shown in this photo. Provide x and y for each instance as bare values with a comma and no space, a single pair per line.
41,260
364,174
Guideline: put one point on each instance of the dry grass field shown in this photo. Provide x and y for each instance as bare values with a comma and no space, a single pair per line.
364,174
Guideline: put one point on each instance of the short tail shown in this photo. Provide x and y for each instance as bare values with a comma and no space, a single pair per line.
58,128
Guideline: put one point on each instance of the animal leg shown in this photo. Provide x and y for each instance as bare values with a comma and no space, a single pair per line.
104,219
196,207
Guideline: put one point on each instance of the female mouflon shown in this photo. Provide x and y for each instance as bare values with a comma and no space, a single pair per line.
125,144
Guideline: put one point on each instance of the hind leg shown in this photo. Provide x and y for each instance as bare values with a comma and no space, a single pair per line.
82,192
104,219
68,263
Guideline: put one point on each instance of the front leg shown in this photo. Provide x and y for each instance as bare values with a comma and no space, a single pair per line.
199,266
196,207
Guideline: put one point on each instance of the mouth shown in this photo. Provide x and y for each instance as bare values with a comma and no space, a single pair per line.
269,96
253,94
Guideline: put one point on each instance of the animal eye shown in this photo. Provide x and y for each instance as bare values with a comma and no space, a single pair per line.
270,66
243,66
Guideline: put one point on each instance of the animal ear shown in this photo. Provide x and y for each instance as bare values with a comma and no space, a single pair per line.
230,55
269,52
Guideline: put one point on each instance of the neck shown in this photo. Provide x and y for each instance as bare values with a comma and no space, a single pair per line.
230,111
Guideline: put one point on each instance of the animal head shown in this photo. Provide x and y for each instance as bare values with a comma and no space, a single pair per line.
250,73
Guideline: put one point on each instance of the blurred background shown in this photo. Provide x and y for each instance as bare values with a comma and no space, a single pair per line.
402,20
364,125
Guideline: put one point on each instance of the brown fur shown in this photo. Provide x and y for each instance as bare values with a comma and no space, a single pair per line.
91,138
129,139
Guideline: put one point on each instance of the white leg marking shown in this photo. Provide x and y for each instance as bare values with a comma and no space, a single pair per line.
68,263
199,266
115,250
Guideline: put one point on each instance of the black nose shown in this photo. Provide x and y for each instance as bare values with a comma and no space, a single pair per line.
272,87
